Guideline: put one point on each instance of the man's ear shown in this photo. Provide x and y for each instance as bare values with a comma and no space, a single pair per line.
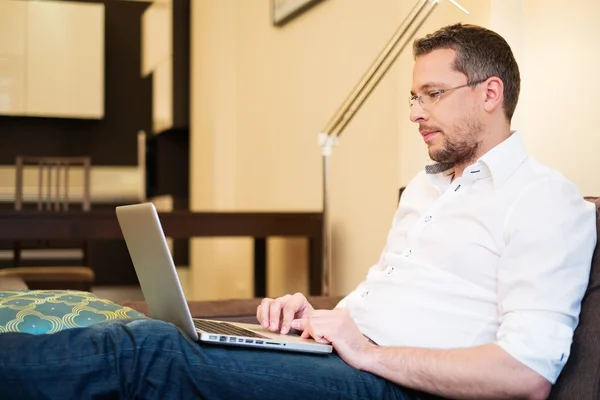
494,93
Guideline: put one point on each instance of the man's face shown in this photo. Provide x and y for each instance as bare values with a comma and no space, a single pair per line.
451,123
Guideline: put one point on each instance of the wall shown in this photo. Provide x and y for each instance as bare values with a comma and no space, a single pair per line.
555,46
558,107
260,95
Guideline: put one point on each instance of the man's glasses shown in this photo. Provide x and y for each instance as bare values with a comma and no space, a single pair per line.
429,99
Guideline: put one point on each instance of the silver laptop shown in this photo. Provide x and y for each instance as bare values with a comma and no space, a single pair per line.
166,301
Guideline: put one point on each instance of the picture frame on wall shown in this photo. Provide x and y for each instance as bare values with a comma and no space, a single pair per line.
283,11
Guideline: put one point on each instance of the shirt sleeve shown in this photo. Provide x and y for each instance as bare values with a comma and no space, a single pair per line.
543,273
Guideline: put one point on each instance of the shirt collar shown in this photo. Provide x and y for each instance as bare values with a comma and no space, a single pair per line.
501,161
438,174
504,159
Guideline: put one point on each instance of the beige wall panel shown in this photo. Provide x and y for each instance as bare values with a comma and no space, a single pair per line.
561,59
12,85
12,28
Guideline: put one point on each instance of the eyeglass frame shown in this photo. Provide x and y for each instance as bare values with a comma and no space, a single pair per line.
438,93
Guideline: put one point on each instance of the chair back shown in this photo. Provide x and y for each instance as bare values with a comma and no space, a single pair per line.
51,184
54,182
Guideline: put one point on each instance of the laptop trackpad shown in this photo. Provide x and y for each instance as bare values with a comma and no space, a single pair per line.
290,337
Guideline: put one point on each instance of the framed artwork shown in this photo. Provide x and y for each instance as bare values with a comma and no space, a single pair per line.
283,11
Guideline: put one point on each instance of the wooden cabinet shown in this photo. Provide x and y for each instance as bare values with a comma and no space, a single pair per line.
162,96
157,35
54,59
165,57
157,61
65,59
12,57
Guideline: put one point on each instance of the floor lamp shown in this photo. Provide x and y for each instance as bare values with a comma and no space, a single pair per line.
332,131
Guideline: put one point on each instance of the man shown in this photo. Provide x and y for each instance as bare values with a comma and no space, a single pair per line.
476,294
478,290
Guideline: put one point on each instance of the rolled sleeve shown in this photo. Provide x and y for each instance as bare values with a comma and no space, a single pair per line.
543,274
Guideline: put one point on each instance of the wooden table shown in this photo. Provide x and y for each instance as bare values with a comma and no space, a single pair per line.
102,224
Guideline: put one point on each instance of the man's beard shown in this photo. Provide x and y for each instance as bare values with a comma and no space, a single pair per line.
462,146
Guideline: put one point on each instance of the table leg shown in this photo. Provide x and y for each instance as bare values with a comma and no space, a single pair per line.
315,267
260,267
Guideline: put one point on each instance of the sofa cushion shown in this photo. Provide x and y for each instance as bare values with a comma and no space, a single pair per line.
580,378
49,311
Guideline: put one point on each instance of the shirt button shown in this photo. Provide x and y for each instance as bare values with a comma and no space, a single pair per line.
364,294
428,218
390,270
407,253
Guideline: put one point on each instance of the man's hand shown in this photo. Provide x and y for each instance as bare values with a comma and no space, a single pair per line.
278,314
338,328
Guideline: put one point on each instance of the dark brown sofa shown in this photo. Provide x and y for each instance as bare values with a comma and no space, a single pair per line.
580,379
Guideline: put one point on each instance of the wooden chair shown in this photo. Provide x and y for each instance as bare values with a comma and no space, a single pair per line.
52,264
53,182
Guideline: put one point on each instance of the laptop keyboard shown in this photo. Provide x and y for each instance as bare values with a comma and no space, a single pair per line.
224,328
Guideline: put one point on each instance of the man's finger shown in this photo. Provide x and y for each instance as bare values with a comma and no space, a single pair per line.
275,314
289,312
259,313
305,334
321,339
299,324
265,306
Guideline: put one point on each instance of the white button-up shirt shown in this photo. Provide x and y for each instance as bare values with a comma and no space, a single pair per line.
499,255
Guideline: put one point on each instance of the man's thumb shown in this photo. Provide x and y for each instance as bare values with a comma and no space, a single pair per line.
299,324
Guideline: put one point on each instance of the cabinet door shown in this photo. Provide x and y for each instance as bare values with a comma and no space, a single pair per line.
65,59
162,101
12,57
157,35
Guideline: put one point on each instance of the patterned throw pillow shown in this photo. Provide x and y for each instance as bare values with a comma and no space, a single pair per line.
50,311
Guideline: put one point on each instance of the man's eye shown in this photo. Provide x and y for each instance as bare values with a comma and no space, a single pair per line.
434,95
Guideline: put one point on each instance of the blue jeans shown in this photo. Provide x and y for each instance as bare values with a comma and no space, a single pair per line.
150,359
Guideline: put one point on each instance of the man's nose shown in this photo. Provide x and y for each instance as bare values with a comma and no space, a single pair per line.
417,113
